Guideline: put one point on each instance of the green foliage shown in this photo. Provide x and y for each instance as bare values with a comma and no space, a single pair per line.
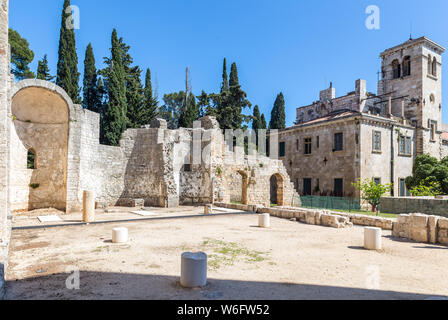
67,74
150,103
372,192
170,110
21,56
134,97
430,173
426,188
43,71
189,112
278,117
92,100
114,120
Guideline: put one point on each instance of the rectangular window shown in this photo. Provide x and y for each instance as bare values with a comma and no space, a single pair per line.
339,142
433,127
376,141
318,142
405,145
282,149
338,187
377,181
307,187
297,145
308,146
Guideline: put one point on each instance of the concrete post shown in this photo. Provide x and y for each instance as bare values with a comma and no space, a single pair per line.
193,270
88,206
372,238
264,220
120,235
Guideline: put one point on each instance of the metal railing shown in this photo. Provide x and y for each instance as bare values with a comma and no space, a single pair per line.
329,203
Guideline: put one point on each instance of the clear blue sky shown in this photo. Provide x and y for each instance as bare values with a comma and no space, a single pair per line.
293,46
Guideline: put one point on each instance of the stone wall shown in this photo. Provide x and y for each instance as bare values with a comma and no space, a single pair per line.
410,204
422,228
5,82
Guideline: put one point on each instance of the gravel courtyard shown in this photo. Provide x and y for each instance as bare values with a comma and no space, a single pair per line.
288,261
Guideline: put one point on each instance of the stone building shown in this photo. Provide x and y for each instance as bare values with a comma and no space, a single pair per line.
338,140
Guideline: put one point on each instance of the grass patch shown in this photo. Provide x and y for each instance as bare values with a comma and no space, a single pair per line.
368,213
227,253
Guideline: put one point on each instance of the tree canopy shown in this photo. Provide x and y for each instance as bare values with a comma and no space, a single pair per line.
21,56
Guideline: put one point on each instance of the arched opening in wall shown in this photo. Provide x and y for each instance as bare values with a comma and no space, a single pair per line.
238,187
429,64
406,66
41,124
396,69
434,67
276,190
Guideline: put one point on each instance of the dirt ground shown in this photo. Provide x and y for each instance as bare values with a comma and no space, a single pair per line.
288,261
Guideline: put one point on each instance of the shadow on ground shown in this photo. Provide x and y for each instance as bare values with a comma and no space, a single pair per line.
118,286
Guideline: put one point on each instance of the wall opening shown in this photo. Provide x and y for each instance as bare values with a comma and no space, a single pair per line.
39,132
276,190
238,187
31,159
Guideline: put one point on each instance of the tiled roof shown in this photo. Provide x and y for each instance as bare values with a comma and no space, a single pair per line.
445,136
329,117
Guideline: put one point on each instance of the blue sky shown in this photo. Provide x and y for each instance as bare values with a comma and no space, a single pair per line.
293,46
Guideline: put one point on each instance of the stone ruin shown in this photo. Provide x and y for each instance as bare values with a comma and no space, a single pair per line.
152,166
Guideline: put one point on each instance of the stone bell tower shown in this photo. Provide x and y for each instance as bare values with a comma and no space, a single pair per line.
412,81
5,83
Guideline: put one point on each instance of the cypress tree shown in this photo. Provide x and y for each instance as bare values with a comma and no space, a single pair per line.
150,109
225,79
43,71
67,74
237,100
278,117
134,97
256,120
91,99
264,124
114,120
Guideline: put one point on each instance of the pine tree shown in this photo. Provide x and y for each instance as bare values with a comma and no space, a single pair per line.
21,56
43,71
67,74
91,99
114,119
278,117
150,105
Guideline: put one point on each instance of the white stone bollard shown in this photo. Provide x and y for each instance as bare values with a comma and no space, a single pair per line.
88,206
193,270
264,220
372,238
120,235
208,209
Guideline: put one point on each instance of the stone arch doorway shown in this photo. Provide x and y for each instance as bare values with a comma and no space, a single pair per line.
238,187
276,190
41,124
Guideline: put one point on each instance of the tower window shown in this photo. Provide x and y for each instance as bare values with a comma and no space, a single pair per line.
338,142
429,64
31,159
434,67
396,68
406,66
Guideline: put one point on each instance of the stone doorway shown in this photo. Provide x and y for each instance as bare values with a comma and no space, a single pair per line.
276,190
